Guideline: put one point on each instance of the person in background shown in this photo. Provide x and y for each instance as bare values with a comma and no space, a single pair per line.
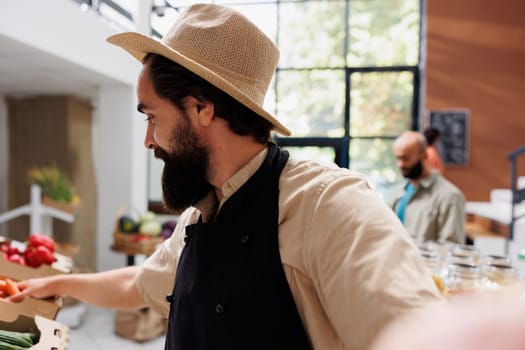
269,252
432,136
430,207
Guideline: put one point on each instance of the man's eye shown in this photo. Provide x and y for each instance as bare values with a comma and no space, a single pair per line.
148,118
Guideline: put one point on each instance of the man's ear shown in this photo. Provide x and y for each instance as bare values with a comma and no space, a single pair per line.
204,111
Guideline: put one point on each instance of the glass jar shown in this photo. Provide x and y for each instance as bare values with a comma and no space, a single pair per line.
500,275
495,259
443,250
432,261
463,278
463,253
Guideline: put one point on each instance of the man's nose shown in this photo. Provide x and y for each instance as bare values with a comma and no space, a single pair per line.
149,140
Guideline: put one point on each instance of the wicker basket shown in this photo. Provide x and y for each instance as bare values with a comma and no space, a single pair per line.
133,243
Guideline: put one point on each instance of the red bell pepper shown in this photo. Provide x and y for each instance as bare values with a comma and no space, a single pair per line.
4,247
12,250
37,240
44,255
17,258
35,257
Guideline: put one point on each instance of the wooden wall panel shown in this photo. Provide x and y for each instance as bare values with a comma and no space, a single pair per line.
53,130
476,60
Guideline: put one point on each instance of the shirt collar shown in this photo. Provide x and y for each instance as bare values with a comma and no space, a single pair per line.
209,206
428,181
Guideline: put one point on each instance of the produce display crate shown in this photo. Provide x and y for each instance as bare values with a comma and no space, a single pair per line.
52,335
70,208
31,307
133,243
63,264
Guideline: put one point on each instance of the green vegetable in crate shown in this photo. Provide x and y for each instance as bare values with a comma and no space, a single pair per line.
8,346
149,224
127,224
151,228
147,216
10,340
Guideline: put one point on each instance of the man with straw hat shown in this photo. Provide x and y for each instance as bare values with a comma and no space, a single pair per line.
269,252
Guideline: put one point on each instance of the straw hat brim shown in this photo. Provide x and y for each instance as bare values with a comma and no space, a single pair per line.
138,45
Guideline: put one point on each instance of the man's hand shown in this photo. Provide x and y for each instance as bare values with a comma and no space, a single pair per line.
39,288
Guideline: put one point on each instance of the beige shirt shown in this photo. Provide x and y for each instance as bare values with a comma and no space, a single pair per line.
350,264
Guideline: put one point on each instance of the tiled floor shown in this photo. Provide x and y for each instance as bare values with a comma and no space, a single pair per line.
96,332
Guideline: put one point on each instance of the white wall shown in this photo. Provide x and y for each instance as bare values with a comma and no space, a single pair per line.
119,165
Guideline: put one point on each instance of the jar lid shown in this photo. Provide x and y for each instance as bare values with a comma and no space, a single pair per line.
464,269
500,266
430,256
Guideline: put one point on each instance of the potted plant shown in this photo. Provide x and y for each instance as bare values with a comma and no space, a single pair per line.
57,191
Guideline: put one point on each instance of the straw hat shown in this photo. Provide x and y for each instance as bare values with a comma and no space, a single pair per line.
221,46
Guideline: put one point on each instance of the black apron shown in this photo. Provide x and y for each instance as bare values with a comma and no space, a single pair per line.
230,290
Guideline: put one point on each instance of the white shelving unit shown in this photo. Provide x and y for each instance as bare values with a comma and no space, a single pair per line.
40,215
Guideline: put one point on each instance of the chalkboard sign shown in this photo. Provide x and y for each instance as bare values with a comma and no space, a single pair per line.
453,126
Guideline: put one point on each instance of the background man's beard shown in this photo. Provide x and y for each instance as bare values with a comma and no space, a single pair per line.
184,174
415,171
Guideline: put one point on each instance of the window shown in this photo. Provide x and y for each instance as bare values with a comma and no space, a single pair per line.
348,78
122,13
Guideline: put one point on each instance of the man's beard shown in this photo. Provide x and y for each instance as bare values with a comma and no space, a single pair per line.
184,175
413,172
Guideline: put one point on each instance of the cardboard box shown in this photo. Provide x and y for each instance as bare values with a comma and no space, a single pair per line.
52,335
47,308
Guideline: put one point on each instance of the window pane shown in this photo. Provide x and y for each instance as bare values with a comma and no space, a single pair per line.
319,154
311,34
311,102
263,15
383,32
163,23
374,158
380,103
128,5
115,16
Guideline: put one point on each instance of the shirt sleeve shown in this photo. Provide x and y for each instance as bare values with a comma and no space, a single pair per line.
363,264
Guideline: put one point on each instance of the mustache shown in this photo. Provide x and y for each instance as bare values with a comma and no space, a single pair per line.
161,154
